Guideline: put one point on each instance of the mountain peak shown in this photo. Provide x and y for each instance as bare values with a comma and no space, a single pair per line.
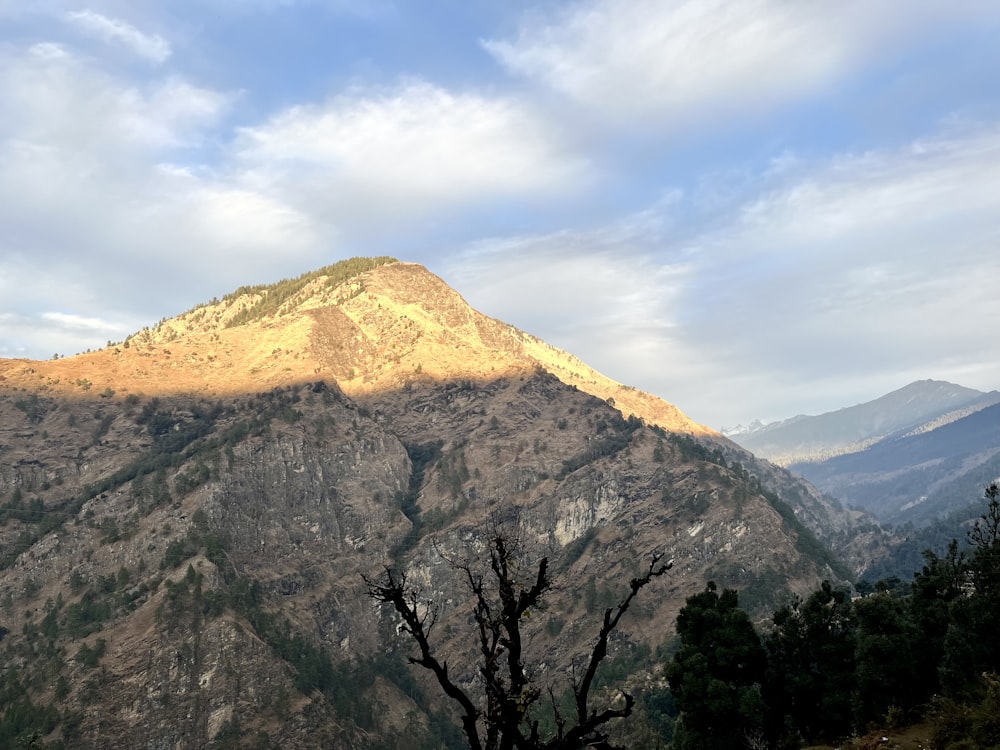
371,324
852,428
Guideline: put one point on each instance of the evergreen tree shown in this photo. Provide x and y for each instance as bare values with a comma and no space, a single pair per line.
934,590
717,673
971,646
885,673
810,676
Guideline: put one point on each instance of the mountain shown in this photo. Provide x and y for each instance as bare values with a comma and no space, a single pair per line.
371,332
919,475
919,406
186,516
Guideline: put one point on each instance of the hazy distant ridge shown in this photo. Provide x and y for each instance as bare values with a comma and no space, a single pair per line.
911,408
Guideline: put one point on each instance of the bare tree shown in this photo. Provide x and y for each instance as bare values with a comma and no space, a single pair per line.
501,719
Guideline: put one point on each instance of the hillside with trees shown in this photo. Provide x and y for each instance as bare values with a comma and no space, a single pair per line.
828,666
188,519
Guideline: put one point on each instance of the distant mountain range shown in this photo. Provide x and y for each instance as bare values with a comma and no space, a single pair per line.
914,455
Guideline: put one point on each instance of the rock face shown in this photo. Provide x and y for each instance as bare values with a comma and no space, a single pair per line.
187,515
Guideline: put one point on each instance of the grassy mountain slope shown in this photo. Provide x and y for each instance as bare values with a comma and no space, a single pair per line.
370,329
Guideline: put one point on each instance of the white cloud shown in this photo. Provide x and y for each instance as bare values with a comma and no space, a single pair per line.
411,148
604,295
904,191
675,60
93,210
104,186
81,322
874,263
112,30
51,97
840,282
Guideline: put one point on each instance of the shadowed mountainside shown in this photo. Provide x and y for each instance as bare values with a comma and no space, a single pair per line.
920,475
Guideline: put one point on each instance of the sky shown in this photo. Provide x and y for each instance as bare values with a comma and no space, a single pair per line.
751,208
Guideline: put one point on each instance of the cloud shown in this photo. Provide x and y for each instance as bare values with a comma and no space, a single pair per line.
872,262
115,31
411,148
838,280
30,327
104,196
605,295
682,59
89,149
49,96
37,336
130,187
80,322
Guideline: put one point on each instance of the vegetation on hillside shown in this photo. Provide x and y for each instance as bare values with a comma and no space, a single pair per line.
273,296
829,666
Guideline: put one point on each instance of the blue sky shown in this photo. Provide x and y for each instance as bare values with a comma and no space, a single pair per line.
752,208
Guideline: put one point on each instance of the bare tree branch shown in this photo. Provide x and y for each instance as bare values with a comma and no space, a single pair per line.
391,589
509,693
588,721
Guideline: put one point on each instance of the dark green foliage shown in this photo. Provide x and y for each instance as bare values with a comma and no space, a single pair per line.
77,582
110,532
187,604
89,656
34,408
23,720
962,726
31,512
692,450
763,591
658,453
500,709
315,671
575,549
716,675
104,422
933,593
984,566
272,296
627,659
421,456
198,538
192,478
885,672
971,646
661,713
810,678
454,471
178,551
805,541
742,482
835,667
171,436
612,437
87,615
